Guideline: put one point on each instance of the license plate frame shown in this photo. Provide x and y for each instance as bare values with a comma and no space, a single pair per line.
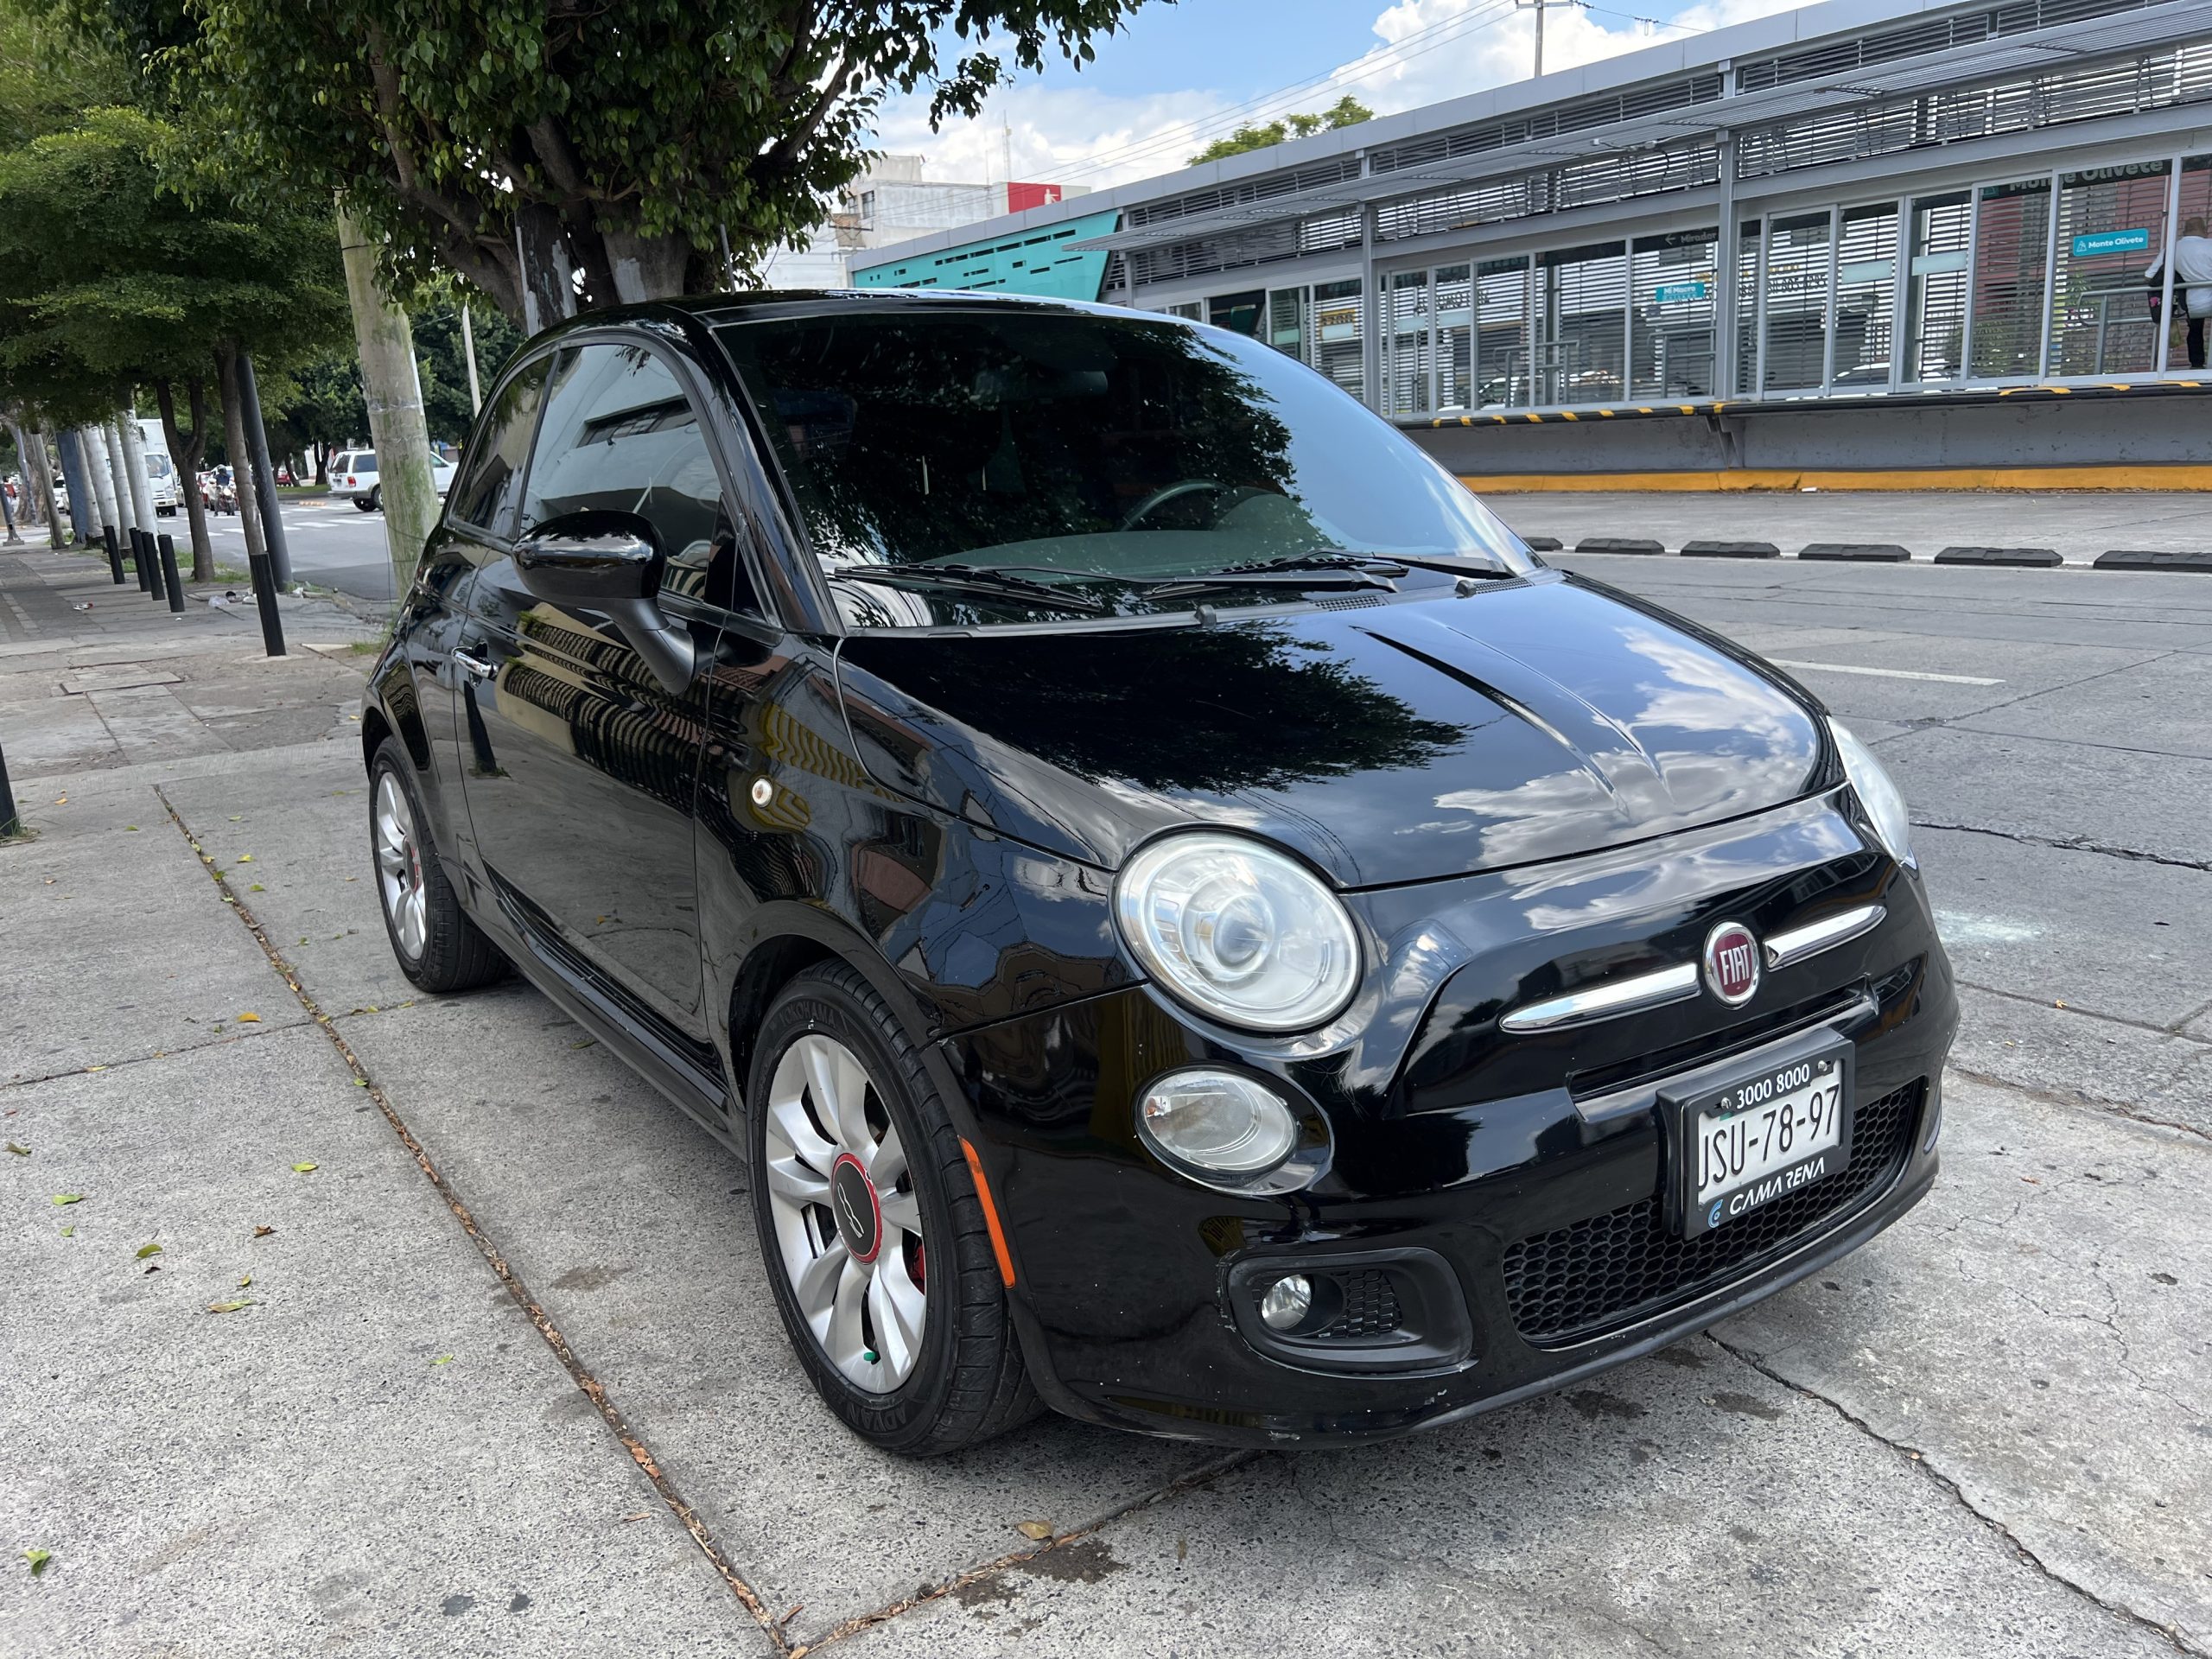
1708,1090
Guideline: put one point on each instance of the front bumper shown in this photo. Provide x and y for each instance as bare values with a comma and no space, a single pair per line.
1534,1209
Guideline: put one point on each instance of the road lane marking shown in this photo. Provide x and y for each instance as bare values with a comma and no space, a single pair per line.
1885,673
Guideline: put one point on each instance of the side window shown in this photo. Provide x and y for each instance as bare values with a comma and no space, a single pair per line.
620,434
486,493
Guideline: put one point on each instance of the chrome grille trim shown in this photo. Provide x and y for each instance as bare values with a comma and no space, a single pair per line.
1607,1001
1799,943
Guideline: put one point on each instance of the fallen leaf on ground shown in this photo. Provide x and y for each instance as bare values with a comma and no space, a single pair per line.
245,858
132,827
61,800
245,1281
1038,1531
587,1043
262,1232
236,816
20,1152
255,888
249,1018
38,1558
145,1250
68,1197
442,1359
229,1307
303,1169
69,1232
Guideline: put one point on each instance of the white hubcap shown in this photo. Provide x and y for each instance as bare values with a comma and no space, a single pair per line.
399,868
847,1225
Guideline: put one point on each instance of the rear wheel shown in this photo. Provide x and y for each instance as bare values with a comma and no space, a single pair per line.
882,1264
439,948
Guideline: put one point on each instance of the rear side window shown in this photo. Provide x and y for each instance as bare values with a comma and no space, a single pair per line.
620,434
489,489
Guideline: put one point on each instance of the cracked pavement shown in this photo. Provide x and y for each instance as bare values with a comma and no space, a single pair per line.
508,1380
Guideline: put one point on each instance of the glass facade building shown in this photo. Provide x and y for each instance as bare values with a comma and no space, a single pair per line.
1849,201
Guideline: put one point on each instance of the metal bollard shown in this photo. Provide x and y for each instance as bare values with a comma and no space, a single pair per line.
154,587
171,582
114,553
138,558
264,598
10,821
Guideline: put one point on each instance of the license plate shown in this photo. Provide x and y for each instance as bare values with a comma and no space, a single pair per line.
1763,1135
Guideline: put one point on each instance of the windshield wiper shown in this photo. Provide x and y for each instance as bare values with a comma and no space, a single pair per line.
971,578
1305,571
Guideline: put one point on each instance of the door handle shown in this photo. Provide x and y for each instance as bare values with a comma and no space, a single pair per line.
475,667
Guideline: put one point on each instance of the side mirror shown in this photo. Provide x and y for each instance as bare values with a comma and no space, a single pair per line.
610,562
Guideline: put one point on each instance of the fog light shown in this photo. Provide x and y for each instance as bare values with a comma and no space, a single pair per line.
1288,1301
1217,1124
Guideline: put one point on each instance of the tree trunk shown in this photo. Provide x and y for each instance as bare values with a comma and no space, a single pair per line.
103,480
42,464
393,392
548,294
134,467
118,466
647,268
76,473
227,373
185,447
322,465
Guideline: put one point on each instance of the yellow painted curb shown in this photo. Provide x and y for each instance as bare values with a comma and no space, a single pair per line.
2180,476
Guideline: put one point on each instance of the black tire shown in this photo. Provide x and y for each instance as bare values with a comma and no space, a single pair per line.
376,498
968,1383
363,504
455,954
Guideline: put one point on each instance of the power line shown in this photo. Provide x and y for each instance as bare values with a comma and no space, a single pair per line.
1656,22
1253,110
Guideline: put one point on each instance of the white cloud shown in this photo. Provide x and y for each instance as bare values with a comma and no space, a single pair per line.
1422,55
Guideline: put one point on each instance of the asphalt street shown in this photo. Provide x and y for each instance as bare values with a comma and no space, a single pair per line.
333,544
506,1379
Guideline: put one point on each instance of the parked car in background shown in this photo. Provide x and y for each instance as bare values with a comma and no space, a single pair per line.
160,470
354,473
1189,920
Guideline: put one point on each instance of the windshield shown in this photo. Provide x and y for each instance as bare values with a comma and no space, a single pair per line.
1108,456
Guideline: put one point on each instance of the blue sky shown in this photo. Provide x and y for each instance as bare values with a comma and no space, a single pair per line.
1180,75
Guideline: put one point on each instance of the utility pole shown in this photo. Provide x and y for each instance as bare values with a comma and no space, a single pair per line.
1540,6
468,350
393,392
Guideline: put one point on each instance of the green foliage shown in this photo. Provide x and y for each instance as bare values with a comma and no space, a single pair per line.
1346,112
119,265
446,408
628,137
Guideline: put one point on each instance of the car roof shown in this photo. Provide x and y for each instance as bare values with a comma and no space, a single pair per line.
780,304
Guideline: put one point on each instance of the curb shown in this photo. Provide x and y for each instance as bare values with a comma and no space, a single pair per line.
2122,558
1870,552
2038,557
1731,551
1542,543
1616,544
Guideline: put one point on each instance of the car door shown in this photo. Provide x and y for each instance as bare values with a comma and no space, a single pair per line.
582,801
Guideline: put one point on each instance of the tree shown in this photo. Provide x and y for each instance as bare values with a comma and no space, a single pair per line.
562,152
1346,112
123,264
445,363
323,408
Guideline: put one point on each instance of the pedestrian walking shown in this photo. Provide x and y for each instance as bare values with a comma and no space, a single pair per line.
2192,256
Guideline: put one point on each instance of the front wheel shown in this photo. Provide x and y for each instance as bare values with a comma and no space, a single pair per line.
439,948
882,1264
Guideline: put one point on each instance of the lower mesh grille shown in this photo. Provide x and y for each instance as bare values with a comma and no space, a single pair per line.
1370,1306
1574,1282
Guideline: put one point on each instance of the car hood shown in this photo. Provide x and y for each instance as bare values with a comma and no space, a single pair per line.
1386,742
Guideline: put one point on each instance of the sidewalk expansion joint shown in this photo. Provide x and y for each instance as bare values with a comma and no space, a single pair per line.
639,1452
2076,1102
242,1035
2068,844
1018,1558
1918,1458
2149,1027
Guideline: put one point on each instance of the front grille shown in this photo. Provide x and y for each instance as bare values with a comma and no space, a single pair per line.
1576,1282
1370,1306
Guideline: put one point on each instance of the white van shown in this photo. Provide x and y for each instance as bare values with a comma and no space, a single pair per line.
161,471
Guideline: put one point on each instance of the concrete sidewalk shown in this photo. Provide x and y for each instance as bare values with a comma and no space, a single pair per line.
505,1377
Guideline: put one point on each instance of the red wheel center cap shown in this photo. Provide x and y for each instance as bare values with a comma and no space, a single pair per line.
859,1213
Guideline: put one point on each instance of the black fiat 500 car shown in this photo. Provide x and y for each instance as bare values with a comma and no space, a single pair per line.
1188,921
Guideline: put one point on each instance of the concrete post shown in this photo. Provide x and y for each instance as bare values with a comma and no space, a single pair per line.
394,395
134,466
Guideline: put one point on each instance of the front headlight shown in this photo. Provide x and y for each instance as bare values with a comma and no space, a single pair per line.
1871,783
1240,932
